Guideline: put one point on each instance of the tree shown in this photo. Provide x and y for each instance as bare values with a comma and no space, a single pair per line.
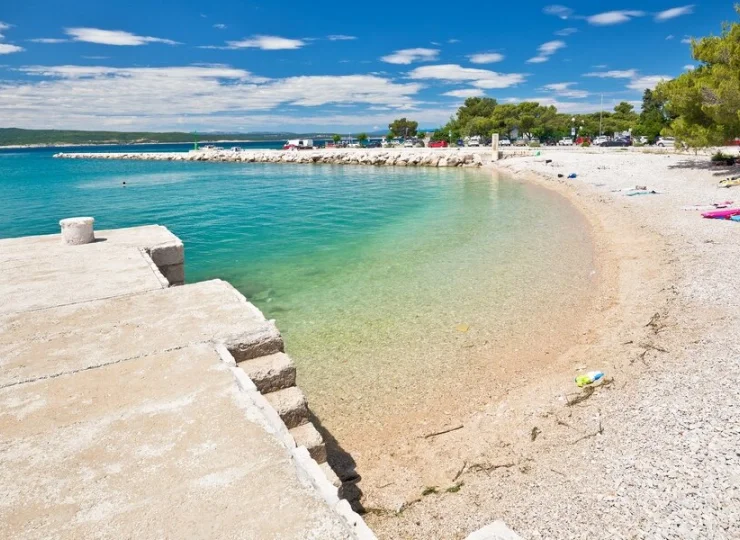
403,128
653,118
336,138
706,100
362,138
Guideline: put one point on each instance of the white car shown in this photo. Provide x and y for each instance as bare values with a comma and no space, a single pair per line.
474,141
504,142
565,141
666,142
408,144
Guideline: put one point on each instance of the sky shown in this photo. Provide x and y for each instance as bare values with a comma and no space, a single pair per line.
283,65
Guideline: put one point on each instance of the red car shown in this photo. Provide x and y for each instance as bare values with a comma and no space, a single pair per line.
438,144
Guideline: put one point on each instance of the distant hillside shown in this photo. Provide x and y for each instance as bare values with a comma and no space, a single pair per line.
50,137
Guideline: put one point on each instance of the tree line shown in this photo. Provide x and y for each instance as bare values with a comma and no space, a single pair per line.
700,107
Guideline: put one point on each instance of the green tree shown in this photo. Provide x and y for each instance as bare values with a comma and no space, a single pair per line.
653,117
403,128
362,138
706,100
336,138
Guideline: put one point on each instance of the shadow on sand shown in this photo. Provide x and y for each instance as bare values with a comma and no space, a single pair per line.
720,169
343,465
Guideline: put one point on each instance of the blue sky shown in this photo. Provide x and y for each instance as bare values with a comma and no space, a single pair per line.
344,66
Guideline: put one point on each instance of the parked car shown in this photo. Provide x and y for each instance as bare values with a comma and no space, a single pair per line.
408,144
666,142
616,142
601,139
438,144
504,142
473,141
565,141
373,144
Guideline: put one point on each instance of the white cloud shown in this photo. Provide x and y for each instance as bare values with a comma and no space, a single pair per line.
566,32
465,93
267,43
565,90
558,11
49,40
689,67
546,50
219,26
614,17
615,74
686,40
340,37
453,41
113,37
3,27
485,58
408,56
86,96
480,78
6,48
640,84
669,37
673,13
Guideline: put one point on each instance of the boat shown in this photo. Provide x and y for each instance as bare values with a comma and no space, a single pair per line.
722,214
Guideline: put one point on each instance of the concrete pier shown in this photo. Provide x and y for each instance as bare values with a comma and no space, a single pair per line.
130,408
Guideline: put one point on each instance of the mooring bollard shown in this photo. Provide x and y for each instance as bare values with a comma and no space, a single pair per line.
77,231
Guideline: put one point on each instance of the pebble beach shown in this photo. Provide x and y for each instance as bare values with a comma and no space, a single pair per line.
653,452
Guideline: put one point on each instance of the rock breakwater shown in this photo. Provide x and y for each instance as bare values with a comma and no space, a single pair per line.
421,157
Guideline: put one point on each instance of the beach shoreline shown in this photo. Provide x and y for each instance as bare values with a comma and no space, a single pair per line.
553,464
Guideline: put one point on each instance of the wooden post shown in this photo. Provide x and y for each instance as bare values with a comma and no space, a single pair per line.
494,146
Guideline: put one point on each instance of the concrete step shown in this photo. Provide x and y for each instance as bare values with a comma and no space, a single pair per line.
307,435
270,373
331,475
291,405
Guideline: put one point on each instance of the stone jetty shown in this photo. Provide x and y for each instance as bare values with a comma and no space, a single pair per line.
398,157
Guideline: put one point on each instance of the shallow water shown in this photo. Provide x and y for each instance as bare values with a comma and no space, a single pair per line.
390,285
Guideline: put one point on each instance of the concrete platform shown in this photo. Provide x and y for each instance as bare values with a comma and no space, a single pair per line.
39,271
162,446
124,414
73,337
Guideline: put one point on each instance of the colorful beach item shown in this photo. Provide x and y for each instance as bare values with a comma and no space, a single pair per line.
589,378
727,213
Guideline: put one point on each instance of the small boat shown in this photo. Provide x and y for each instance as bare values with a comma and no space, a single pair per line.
722,214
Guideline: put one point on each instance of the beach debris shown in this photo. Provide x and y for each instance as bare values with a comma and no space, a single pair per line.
635,192
448,430
535,432
561,175
455,488
548,161
735,218
462,327
707,207
429,490
588,378
573,175
599,431
635,188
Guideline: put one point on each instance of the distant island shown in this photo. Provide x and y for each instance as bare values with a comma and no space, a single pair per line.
15,137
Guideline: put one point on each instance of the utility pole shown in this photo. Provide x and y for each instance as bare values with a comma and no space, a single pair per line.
601,115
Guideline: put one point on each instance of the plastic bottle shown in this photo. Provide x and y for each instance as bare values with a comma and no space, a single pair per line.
588,378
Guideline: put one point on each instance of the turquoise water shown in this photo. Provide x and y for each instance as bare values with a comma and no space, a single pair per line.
390,285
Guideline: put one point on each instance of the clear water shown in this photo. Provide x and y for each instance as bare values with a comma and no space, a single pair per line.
390,285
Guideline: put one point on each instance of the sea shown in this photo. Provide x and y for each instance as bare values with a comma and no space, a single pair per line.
392,286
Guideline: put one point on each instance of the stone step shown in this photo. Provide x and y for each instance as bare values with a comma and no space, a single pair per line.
270,373
307,435
291,405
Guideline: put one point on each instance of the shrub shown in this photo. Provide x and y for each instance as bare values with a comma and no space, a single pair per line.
586,144
534,144
720,156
